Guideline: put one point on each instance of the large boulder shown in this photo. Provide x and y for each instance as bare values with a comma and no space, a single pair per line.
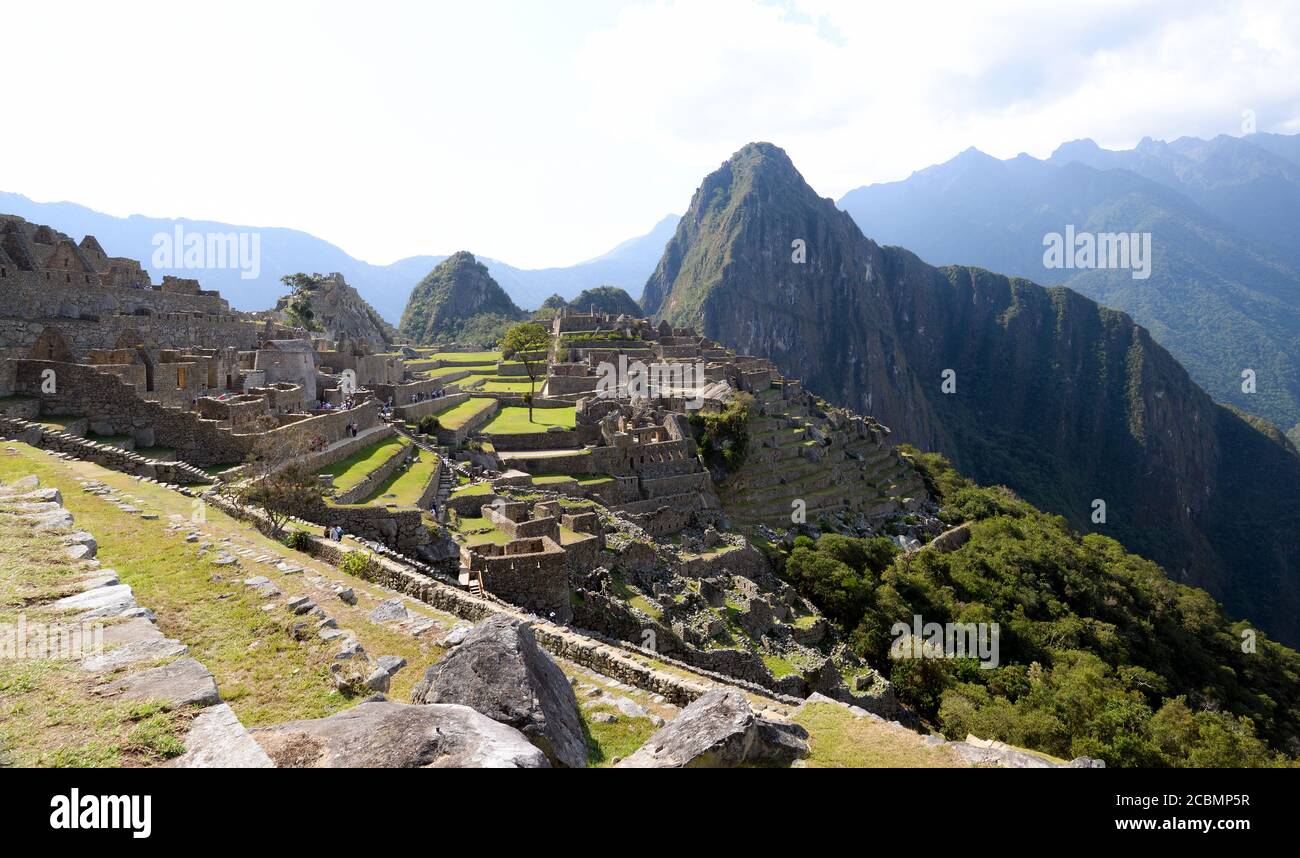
500,671
382,734
720,730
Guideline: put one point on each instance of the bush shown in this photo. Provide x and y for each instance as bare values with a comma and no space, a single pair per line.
357,564
429,425
299,540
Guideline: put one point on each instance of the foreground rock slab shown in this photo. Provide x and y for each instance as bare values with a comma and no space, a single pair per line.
500,670
184,682
720,730
217,740
399,735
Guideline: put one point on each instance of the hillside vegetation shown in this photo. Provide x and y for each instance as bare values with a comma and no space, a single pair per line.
1100,654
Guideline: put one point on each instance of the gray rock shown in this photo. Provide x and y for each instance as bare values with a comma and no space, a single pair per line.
457,635
300,604
397,735
500,671
351,650
389,611
102,578
347,596
390,664
379,680
218,741
630,707
181,683
131,631
133,653
720,730
116,596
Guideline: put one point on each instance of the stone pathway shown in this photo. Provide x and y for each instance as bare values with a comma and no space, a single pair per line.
180,682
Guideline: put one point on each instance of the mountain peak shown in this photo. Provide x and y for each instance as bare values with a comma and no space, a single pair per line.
457,300
1072,149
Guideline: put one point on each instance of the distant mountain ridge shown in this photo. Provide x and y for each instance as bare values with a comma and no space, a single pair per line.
1224,220
287,251
1069,403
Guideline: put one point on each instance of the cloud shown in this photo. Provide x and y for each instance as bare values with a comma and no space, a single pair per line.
867,92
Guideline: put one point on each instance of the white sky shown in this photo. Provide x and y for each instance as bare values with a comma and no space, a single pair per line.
542,133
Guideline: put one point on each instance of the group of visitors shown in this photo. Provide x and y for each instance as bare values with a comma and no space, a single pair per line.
353,429
422,396
334,533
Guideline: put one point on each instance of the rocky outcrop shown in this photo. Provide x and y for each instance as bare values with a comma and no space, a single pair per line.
720,730
344,314
500,671
1040,389
382,734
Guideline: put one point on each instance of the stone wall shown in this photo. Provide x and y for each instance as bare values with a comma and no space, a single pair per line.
532,573
650,461
81,391
414,412
115,458
564,439
402,530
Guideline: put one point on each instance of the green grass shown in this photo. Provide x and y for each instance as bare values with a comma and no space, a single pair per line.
406,484
348,472
49,713
455,418
473,489
780,666
837,739
468,357
505,386
621,739
580,479
444,371
262,672
514,420
477,530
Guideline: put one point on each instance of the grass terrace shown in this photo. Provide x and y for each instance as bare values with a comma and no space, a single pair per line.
348,472
580,479
514,420
838,739
406,485
445,371
466,358
476,530
456,417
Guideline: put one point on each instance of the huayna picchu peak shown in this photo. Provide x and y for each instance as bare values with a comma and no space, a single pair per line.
1065,401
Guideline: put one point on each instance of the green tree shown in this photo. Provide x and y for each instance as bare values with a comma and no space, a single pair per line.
528,342
298,310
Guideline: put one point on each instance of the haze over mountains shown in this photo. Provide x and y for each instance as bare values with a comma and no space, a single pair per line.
1223,293
386,287
1071,404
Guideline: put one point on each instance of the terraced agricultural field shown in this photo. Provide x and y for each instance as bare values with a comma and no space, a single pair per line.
352,470
406,485
454,418
514,419
466,358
